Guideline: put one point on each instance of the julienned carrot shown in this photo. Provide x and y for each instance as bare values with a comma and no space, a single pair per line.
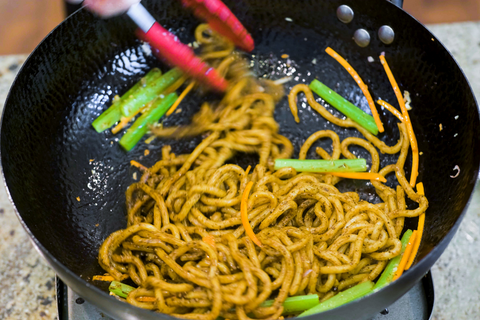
103,278
389,272
392,109
175,86
210,240
406,256
415,160
125,120
406,117
420,189
138,165
244,215
418,240
180,98
123,123
359,175
360,83
421,225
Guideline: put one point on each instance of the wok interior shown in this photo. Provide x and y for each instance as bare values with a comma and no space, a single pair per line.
51,155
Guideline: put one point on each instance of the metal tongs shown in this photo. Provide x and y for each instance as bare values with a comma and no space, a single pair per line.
220,19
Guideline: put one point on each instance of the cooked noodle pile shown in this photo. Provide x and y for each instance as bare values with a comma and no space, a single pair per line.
185,243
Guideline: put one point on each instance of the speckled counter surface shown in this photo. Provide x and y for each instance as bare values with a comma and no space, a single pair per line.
27,285
27,289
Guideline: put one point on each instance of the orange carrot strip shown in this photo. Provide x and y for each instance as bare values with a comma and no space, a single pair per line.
392,109
406,117
418,240
420,227
360,83
210,240
103,278
146,299
248,170
125,120
174,86
414,174
138,165
406,255
420,189
359,175
244,215
180,98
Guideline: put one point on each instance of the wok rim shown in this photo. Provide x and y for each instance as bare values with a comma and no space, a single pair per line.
96,296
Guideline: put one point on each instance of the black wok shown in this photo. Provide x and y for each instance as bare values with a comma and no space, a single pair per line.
47,141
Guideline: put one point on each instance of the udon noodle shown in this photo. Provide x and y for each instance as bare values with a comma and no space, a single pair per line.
185,244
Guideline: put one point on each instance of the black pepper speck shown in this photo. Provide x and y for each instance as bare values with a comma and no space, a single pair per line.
27,278
49,285
13,67
46,301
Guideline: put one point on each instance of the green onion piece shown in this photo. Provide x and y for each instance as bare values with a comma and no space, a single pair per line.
149,92
120,289
392,265
296,304
113,114
344,106
138,129
342,298
343,165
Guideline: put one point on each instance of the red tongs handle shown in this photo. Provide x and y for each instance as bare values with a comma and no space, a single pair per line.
222,20
183,57
173,51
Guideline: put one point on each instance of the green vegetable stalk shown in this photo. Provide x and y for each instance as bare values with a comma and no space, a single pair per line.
138,129
343,165
344,106
149,92
120,289
392,265
342,298
113,114
296,304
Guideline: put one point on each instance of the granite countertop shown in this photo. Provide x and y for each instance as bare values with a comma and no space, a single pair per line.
27,288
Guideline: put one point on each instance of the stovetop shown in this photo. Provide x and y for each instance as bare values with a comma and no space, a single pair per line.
416,304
